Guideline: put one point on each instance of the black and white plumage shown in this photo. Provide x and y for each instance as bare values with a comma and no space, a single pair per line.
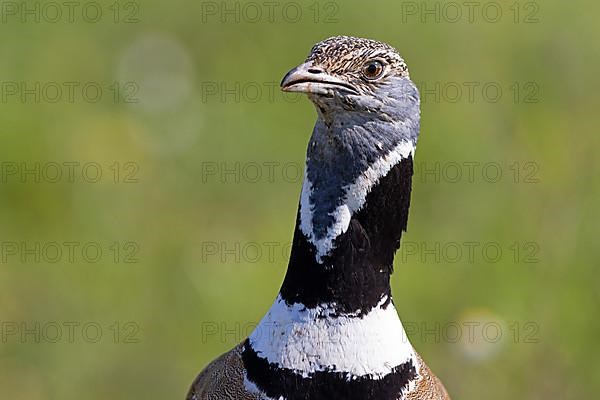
333,331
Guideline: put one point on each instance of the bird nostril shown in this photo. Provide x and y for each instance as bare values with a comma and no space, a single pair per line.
315,71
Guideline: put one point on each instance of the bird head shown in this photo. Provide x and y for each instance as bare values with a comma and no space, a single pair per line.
360,78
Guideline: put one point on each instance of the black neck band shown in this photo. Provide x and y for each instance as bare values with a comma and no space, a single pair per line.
355,276
276,382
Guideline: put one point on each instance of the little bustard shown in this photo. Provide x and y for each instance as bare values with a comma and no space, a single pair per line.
333,331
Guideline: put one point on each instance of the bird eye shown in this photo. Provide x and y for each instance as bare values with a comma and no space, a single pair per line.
373,69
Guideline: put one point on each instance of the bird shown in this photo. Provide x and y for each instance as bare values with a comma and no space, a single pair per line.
333,331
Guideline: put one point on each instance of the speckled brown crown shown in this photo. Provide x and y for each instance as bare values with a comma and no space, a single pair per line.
341,53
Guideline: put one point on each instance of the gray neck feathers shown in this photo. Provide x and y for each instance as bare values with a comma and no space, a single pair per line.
347,141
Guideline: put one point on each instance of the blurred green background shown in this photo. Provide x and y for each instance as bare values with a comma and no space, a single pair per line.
180,106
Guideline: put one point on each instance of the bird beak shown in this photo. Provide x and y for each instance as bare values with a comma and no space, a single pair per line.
309,78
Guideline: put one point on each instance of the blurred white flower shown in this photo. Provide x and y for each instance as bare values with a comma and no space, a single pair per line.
483,334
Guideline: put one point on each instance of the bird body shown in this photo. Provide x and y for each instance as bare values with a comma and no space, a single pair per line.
333,331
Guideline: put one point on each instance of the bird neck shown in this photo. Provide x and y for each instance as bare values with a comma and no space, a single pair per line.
333,331
348,227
